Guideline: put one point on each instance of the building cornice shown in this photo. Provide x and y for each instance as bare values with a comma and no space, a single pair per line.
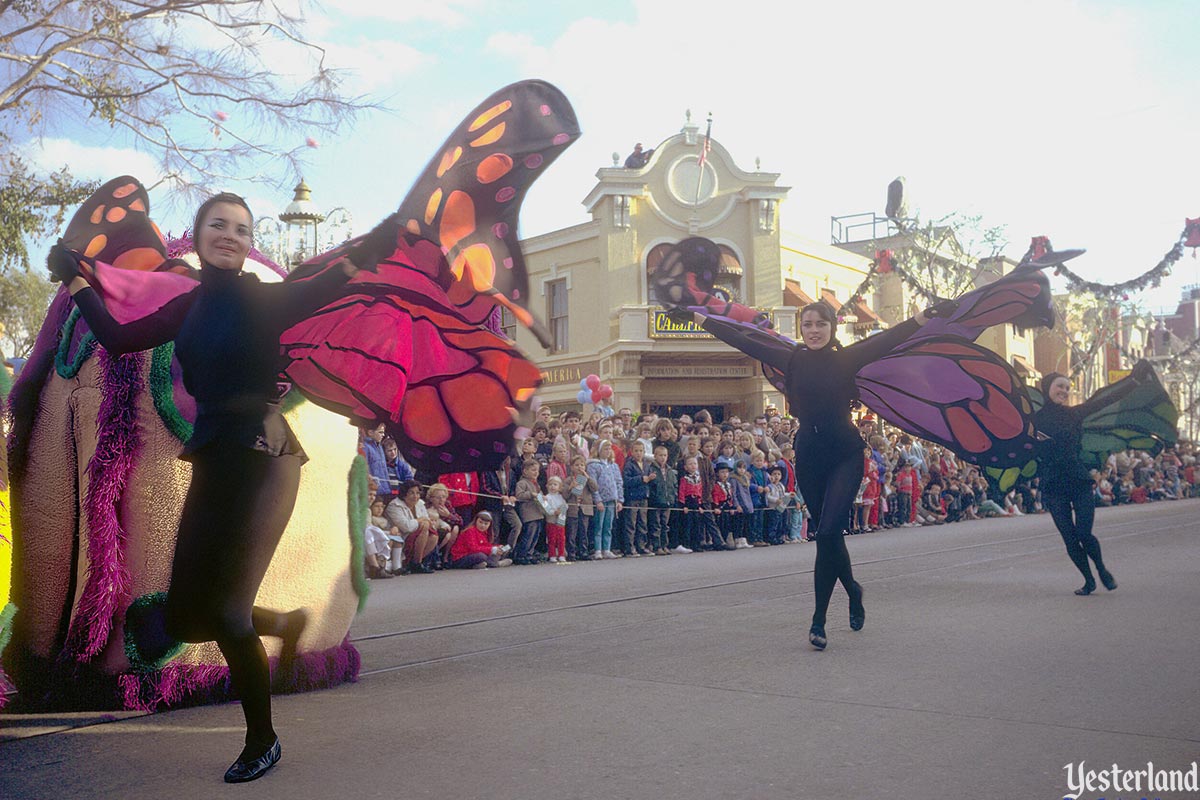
563,236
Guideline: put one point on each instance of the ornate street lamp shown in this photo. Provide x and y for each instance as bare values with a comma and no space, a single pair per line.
302,231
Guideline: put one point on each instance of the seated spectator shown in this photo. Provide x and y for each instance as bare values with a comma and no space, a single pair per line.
929,509
446,519
1102,489
378,538
473,548
408,513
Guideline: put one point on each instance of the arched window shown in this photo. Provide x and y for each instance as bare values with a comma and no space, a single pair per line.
653,259
729,271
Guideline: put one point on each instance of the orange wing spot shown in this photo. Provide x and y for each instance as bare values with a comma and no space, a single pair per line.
115,214
490,114
98,243
458,220
477,402
142,258
158,233
449,159
137,205
413,226
967,431
478,266
125,191
97,215
525,373
999,414
493,168
496,362
523,316
992,373
490,137
424,418
431,207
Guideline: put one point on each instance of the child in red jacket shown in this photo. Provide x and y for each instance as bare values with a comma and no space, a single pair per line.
473,549
691,496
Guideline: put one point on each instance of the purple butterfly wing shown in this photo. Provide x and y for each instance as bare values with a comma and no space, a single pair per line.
1022,297
954,393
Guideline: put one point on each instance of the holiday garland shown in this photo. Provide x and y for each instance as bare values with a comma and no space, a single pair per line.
1151,278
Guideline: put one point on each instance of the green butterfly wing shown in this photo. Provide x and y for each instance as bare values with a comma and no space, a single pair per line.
1141,419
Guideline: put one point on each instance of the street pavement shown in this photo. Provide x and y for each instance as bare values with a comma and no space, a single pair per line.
978,675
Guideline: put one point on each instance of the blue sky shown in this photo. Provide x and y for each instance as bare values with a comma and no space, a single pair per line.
1072,119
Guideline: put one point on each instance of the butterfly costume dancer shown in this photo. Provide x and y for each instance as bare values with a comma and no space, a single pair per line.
1133,413
387,327
924,375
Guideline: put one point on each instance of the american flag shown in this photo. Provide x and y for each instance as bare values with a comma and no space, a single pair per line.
707,142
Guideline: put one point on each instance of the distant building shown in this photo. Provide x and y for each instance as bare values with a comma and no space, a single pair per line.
591,283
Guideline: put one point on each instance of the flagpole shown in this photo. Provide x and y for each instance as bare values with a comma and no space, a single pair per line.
703,158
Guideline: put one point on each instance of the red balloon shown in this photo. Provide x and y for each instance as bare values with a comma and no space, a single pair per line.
593,382
605,391
596,398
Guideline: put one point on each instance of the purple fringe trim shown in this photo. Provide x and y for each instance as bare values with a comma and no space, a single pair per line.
107,588
190,684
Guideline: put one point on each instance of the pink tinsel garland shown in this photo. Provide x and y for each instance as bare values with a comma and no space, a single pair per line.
191,684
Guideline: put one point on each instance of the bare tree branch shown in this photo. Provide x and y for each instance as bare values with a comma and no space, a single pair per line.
136,66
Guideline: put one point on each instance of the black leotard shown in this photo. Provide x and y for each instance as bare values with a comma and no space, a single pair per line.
245,461
829,450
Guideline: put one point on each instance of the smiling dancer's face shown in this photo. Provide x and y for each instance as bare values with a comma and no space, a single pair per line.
224,238
1060,391
815,330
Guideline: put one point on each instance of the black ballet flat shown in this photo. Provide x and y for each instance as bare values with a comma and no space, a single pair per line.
1086,589
242,770
858,614
1108,580
816,637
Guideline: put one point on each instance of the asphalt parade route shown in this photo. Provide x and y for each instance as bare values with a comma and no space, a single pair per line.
979,674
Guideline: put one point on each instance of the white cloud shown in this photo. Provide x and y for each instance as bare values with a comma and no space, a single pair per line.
447,13
1043,116
89,162
372,65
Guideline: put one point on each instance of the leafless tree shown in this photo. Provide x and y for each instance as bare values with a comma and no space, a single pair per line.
204,86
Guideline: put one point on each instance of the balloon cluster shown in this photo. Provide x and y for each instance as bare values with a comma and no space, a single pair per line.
591,390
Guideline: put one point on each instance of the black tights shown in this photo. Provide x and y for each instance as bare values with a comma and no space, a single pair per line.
829,490
237,507
1076,529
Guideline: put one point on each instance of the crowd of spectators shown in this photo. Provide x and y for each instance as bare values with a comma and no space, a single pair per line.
623,487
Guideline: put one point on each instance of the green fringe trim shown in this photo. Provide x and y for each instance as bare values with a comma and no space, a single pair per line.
162,390
6,618
137,660
87,344
357,510
293,399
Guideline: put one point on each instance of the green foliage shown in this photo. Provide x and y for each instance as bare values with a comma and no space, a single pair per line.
33,207
24,298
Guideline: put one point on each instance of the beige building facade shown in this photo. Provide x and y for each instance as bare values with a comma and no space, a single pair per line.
590,283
